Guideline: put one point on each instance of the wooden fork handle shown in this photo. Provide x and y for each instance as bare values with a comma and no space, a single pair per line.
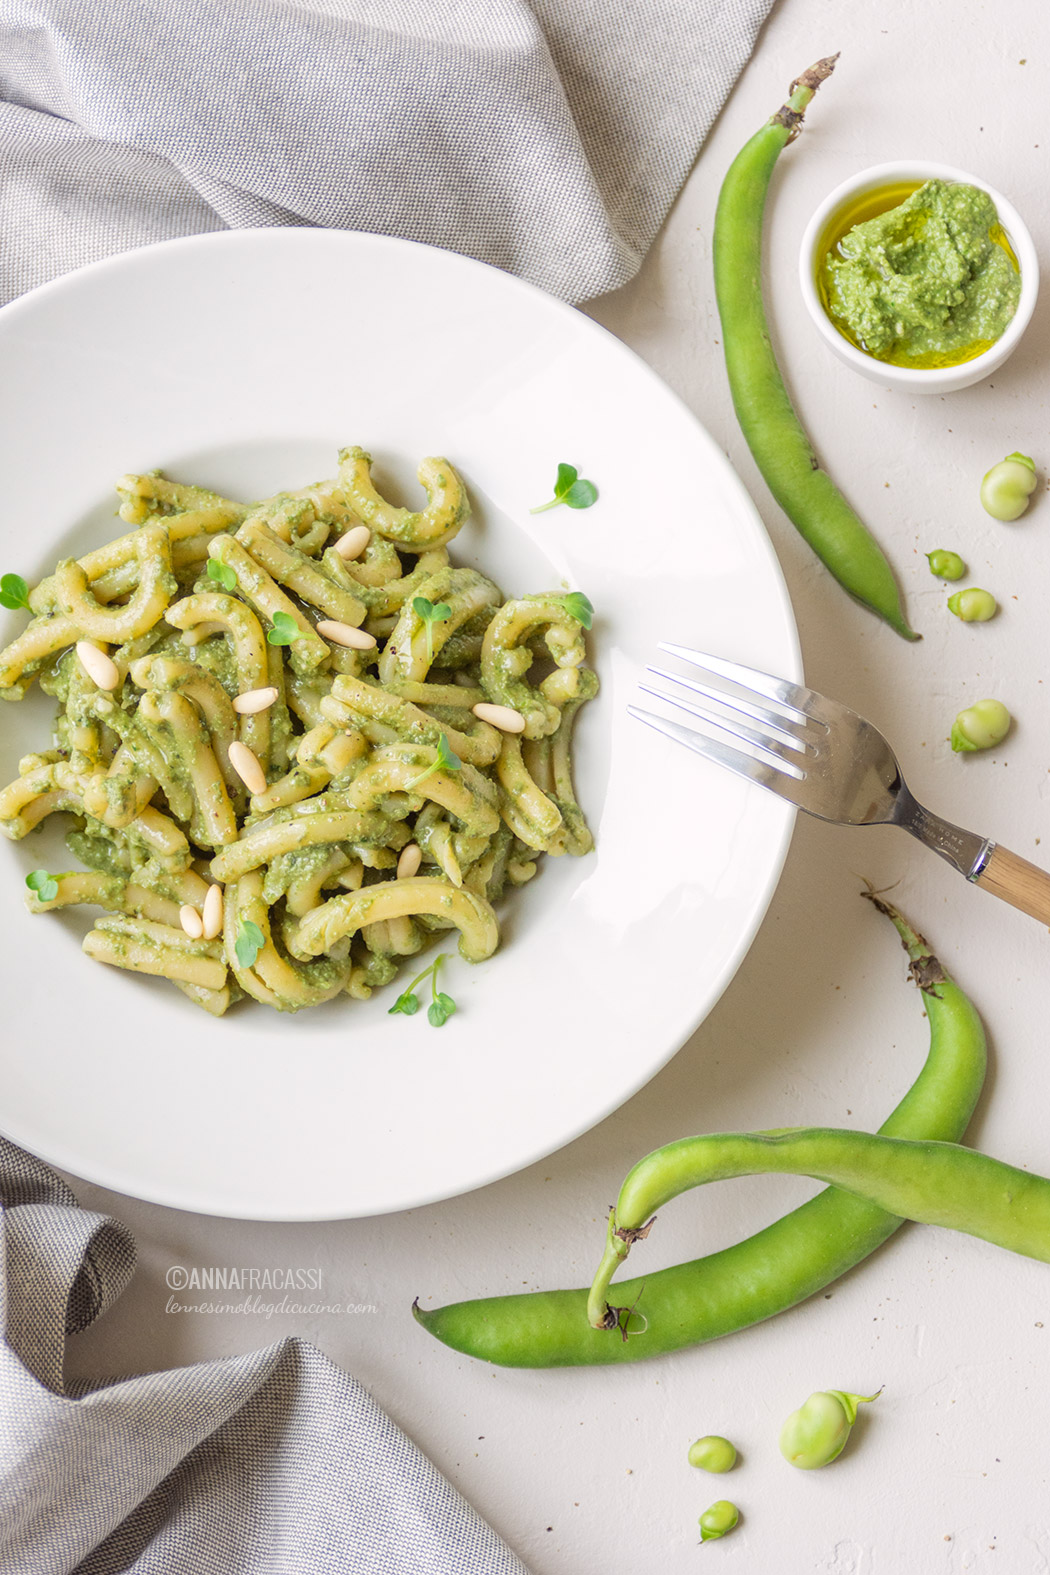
1017,882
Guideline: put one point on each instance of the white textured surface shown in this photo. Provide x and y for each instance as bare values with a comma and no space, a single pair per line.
586,1471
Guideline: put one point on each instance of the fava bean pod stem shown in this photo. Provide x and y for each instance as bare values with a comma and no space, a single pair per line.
775,436
774,1269
933,1183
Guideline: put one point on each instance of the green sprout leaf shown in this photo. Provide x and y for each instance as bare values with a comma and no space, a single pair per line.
571,490
446,760
14,592
44,885
441,1005
227,578
581,495
249,943
440,1009
430,613
407,1003
284,631
578,606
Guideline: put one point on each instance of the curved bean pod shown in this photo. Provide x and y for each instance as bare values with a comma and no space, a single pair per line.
772,1270
931,1183
775,436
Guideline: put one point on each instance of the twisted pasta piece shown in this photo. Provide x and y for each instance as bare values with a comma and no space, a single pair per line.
446,511
506,657
345,915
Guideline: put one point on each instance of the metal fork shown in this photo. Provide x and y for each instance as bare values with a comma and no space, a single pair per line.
830,762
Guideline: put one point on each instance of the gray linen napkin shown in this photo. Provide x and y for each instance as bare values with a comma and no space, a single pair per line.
274,1463
548,137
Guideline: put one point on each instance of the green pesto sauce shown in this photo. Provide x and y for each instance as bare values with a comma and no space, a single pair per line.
930,282
298,863
215,655
98,852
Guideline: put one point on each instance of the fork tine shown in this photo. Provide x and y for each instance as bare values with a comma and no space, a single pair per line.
776,780
773,722
803,702
774,753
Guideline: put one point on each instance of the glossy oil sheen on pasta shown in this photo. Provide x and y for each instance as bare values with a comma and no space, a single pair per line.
347,748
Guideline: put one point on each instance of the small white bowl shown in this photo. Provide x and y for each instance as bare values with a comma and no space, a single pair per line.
918,380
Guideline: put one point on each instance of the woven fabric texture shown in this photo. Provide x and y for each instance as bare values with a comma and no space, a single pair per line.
547,137
273,1463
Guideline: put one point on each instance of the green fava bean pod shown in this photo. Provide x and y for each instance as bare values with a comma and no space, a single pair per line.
773,1269
775,436
718,1521
713,1453
816,1433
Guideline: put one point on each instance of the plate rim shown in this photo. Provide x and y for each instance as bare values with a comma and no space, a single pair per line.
113,1177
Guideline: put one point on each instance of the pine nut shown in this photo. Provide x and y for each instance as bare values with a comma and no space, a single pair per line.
212,913
346,634
100,668
191,922
410,860
253,700
353,542
502,716
247,767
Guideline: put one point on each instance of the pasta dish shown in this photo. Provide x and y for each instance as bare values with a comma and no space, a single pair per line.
296,740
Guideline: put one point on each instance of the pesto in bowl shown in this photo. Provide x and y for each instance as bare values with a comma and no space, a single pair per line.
930,281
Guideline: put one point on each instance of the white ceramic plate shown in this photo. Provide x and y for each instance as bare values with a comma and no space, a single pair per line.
243,361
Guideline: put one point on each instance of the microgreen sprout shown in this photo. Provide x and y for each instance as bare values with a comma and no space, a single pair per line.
249,943
446,760
226,577
441,1005
284,631
430,613
14,592
45,886
578,606
568,488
